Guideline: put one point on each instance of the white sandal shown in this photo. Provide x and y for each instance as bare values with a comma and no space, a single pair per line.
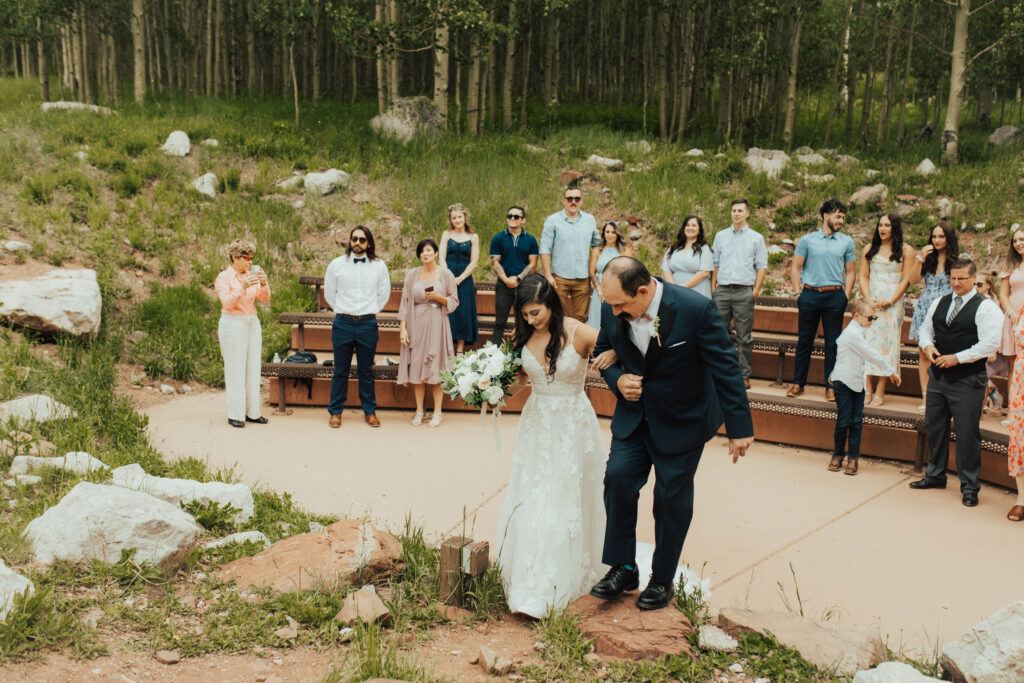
868,398
435,420
417,419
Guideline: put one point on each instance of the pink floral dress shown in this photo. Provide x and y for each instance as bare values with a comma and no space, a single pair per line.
1016,452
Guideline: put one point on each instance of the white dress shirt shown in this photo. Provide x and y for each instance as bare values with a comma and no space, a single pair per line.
989,320
642,329
357,288
851,352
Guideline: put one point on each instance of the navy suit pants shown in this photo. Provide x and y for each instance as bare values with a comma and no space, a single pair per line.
348,336
629,466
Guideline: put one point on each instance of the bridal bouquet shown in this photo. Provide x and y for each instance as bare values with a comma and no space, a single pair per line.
482,377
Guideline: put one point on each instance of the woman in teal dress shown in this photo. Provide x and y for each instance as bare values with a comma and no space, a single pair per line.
460,252
613,244
688,262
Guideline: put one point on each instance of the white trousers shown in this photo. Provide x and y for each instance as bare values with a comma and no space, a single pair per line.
241,344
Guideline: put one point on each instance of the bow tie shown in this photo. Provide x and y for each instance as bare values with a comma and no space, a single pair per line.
359,260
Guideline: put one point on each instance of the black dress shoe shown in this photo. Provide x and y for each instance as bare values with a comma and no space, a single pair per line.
236,423
970,499
655,596
258,420
617,581
927,483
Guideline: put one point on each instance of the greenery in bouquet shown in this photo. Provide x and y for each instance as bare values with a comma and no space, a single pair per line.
483,377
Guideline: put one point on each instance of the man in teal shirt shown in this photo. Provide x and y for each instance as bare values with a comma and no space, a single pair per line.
565,245
823,274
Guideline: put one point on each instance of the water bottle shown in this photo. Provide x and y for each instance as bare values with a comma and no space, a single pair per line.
277,357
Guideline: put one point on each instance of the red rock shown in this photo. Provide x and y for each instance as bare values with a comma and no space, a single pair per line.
569,177
621,631
322,558
453,613
167,657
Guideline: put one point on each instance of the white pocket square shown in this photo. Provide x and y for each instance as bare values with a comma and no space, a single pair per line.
672,346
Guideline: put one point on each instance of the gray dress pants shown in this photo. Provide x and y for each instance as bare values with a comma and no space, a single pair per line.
960,400
736,304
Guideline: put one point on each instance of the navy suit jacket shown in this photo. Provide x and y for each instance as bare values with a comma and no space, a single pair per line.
692,378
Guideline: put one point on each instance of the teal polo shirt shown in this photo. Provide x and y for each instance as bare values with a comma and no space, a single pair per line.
825,258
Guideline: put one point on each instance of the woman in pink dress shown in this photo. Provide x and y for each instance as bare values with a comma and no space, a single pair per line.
429,295
1015,457
1011,294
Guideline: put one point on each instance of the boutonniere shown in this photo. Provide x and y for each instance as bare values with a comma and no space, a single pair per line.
654,329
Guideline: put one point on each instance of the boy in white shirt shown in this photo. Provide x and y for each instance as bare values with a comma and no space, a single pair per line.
848,382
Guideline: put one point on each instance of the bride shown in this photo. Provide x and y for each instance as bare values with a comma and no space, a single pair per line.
551,531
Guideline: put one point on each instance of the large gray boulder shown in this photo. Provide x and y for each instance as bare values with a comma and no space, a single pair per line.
326,182
605,162
177,491
1006,135
62,301
892,672
840,648
177,144
79,462
769,162
206,184
409,117
991,651
811,158
75,106
34,408
870,193
12,584
97,522
926,167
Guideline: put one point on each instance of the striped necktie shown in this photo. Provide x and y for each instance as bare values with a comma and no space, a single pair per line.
958,303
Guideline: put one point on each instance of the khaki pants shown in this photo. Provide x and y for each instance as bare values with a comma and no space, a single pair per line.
575,296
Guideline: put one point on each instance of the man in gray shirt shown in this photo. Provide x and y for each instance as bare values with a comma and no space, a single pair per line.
565,245
741,261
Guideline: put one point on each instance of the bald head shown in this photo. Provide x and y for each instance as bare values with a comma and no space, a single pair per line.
631,274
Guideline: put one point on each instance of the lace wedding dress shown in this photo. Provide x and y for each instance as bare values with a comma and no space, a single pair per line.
552,522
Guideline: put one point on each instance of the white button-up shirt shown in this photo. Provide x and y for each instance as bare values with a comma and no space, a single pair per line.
851,352
988,318
642,329
357,288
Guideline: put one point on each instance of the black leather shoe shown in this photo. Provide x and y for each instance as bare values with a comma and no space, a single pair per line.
236,423
927,483
970,499
655,596
258,420
617,581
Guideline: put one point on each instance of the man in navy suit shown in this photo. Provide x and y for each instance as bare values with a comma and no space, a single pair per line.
675,380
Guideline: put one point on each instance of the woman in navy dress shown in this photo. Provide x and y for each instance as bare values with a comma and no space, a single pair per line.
460,252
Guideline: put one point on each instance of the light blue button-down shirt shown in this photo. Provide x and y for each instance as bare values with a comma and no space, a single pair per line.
825,258
569,243
738,255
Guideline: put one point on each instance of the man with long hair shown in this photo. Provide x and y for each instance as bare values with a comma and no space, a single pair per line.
356,287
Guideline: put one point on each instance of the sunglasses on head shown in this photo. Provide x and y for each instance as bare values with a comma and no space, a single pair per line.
574,199
513,216
358,240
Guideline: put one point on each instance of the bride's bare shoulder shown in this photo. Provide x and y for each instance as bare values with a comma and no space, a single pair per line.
583,338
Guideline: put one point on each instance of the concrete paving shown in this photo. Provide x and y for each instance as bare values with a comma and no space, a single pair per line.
867,550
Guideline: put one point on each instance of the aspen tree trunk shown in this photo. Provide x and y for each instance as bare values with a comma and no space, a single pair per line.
851,82
885,105
295,82
492,100
473,87
526,77
173,67
662,38
90,96
901,125
209,47
112,62
458,95
841,61
686,75
957,82
794,58
250,45
44,66
218,48
441,68
508,75
394,74
152,70
547,92
382,91
319,19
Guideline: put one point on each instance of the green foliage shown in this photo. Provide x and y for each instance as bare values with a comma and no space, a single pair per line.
215,517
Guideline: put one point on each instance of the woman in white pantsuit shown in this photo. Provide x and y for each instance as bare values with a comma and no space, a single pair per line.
240,334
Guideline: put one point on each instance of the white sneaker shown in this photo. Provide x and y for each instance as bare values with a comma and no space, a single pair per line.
435,420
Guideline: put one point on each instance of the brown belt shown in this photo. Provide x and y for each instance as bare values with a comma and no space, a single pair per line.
823,289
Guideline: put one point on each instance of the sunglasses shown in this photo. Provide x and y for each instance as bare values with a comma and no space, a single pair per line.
871,318
514,216
246,258
980,284
573,199
358,240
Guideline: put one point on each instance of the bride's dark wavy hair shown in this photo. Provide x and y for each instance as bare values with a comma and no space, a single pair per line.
536,289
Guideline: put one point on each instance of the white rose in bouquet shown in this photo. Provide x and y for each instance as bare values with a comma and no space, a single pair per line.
494,394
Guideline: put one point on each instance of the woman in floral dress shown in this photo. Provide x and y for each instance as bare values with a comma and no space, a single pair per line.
1016,453
885,273
932,264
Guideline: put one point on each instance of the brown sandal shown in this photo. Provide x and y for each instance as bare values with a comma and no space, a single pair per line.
1016,513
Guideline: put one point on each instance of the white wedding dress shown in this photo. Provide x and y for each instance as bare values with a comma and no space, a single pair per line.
551,532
